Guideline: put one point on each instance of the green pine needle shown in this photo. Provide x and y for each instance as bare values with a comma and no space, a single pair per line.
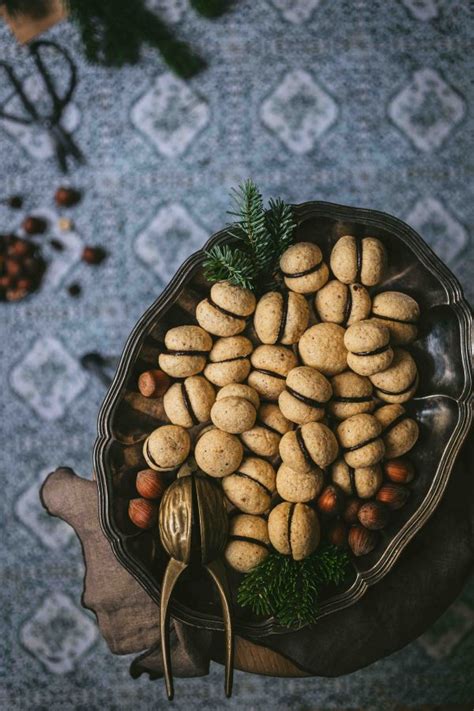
260,237
210,8
289,590
251,226
229,264
280,225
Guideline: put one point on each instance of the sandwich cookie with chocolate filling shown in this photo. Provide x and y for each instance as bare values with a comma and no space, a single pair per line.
166,447
235,408
305,395
299,487
355,259
252,486
248,544
399,313
226,309
400,431
344,304
264,438
360,440
189,402
399,382
363,482
271,365
229,360
218,453
309,445
294,530
369,347
303,268
281,317
351,395
322,347
186,352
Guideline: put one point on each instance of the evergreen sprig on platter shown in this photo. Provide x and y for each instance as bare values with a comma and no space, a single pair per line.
113,31
289,590
259,239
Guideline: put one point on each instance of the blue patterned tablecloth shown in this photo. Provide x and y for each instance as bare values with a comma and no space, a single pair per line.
362,102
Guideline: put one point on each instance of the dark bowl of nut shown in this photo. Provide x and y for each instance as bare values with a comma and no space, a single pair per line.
313,362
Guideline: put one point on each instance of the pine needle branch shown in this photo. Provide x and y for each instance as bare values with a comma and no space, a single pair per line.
290,590
260,236
227,264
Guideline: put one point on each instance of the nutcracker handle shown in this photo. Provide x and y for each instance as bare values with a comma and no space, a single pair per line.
173,571
217,572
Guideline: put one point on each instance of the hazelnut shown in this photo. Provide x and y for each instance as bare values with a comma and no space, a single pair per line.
361,540
93,255
19,248
400,471
153,383
74,289
330,500
393,495
150,484
34,225
143,513
15,202
24,283
12,267
337,533
351,510
373,515
66,197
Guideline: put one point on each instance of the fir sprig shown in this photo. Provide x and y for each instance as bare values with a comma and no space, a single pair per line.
260,238
227,264
289,590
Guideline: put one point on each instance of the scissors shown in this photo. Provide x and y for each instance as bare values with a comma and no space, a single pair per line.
63,142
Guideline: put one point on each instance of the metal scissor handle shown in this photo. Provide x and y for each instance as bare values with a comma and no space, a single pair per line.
63,142
217,572
59,102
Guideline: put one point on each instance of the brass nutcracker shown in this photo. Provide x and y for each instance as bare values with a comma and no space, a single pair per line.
193,527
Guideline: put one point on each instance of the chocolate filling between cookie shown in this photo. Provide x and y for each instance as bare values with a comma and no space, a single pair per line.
186,353
188,405
395,422
284,315
260,423
229,360
392,318
358,247
291,511
222,310
306,400
150,457
303,448
306,272
399,392
377,351
348,307
247,476
361,444
352,481
356,398
249,539
269,372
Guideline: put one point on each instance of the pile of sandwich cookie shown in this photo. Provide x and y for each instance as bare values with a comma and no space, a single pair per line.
296,403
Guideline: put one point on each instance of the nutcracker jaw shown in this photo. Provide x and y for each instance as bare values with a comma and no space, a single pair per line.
218,574
193,528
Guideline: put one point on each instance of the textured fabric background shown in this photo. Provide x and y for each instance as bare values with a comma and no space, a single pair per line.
364,102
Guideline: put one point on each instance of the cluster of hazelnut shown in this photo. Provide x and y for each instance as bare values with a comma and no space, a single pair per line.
301,418
22,264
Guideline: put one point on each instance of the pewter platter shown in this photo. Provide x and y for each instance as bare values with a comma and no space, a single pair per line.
442,406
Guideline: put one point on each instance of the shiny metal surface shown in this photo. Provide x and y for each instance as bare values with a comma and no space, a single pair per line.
443,407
